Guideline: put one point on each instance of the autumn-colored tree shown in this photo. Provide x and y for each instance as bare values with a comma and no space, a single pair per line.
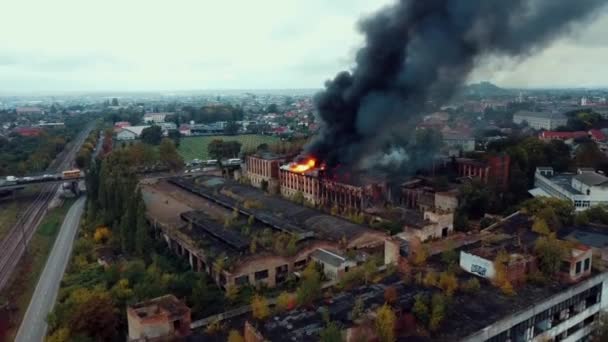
438,311
390,294
232,293
369,269
385,323
60,335
169,155
551,252
102,235
540,226
95,315
331,333
500,273
448,283
471,286
235,336
357,310
430,279
310,287
421,308
259,308
420,252
285,302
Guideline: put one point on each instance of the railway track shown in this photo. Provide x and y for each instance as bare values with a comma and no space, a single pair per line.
14,245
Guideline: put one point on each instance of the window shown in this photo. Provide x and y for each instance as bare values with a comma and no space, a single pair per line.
242,280
578,267
587,264
261,275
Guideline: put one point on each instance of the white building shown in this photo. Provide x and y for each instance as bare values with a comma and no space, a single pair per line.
459,141
332,264
130,133
584,189
565,316
540,120
155,117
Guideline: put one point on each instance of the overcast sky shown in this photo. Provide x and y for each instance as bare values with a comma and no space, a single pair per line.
132,45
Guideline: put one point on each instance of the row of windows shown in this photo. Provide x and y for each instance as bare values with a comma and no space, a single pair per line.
551,317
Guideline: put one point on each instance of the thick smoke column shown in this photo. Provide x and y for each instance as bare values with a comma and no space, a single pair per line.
416,50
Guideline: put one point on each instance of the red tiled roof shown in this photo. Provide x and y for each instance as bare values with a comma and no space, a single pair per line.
597,135
28,131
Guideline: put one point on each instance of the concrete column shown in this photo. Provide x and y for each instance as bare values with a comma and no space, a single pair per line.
272,277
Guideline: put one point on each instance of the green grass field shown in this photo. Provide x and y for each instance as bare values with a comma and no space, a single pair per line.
196,147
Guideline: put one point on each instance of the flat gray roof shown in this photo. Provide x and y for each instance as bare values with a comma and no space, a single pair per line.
328,257
591,178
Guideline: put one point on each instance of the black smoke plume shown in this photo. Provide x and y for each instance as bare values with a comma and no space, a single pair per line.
421,50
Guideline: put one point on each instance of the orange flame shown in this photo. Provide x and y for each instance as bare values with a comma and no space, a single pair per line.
304,166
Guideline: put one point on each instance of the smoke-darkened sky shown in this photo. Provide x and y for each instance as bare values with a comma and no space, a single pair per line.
74,45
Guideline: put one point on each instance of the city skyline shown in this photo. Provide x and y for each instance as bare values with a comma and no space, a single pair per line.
211,46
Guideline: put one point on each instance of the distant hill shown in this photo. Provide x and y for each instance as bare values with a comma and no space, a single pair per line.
485,89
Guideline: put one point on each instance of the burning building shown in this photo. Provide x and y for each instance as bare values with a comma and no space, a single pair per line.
319,189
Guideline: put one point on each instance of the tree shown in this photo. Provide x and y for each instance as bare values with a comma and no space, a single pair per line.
114,102
152,135
390,295
102,235
582,218
369,269
231,128
421,308
235,336
142,238
216,149
94,315
554,211
471,286
550,253
176,136
60,335
448,283
169,155
357,310
232,293
540,226
284,302
430,279
259,308
262,147
500,273
438,308
385,323
331,333
310,286
272,108
589,155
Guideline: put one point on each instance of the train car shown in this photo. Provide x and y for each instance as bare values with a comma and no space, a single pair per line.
71,174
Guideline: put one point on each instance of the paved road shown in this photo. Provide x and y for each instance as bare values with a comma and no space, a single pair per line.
33,327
